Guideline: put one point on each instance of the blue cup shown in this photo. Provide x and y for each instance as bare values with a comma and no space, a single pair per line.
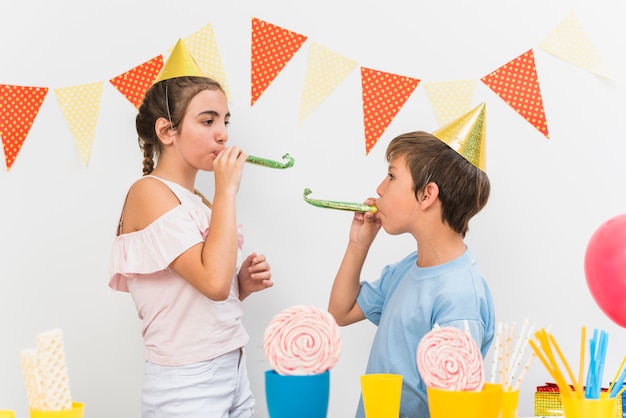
297,396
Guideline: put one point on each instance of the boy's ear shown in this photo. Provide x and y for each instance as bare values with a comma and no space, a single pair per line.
429,195
164,130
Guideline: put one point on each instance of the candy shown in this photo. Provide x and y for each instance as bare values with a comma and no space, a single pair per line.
332,204
270,163
448,358
302,340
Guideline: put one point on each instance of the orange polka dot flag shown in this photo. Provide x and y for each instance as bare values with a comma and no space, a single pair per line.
384,94
19,106
272,48
134,83
517,84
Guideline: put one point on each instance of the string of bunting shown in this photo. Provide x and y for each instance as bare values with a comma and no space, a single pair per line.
272,47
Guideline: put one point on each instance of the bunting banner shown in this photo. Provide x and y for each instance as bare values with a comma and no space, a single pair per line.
19,106
324,72
80,106
203,47
134,83
450,99
518,85
384,94
272,48
570,42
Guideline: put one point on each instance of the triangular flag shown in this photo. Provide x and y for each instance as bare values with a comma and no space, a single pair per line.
134,83
203,47
80,105
570,42
325,71
19,106
517,84
272,48
450,99
384,94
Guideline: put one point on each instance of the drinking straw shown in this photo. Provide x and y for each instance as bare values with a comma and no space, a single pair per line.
562,357
520,349
549,361
579,388
600,363
617,382
525,370
496,353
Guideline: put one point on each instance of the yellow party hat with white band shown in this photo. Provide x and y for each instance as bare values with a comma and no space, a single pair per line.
466,135
180,63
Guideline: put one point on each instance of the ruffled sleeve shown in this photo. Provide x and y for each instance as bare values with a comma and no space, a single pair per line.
153,249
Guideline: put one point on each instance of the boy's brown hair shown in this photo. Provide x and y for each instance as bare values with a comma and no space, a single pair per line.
463,188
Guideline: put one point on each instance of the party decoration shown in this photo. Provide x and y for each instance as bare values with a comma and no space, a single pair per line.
325,71
466,135
302,340
570,42
517,84
605,268
450,99
203,47
80,105
449,358
180,63
134,83
332,204
271,163
272,48
383,94
20,105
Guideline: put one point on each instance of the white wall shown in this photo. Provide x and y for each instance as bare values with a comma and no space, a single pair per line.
57,217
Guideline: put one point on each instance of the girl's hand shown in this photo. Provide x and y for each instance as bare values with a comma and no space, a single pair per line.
228,169
254,275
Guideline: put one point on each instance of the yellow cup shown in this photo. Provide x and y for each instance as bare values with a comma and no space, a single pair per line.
77,411
486,403
381,395
5,413
510,403
604,407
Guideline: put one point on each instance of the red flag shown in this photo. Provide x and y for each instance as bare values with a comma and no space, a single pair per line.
272,48
384,94
517,84
19,106
134,83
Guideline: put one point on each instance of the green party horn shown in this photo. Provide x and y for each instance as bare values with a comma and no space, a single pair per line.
331,204
271,163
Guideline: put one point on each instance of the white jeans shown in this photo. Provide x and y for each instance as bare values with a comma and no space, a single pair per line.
217,388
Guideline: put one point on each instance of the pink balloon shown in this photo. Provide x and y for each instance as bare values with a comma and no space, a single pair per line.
605,268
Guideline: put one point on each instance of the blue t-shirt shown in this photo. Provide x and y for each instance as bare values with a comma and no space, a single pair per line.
406,302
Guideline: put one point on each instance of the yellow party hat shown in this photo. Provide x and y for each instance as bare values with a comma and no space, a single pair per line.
466,135
180,63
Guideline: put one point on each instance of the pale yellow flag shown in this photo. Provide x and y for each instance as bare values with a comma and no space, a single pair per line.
570,42
80,105
450,99
325,71
203,47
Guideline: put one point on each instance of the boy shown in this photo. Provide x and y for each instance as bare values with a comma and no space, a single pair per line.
431,192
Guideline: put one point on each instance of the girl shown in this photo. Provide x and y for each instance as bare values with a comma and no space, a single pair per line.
180,257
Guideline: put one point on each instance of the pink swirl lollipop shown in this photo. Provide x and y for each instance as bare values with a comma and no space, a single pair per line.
302,340
448,358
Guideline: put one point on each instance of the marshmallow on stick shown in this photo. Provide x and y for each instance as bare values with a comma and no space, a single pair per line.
51,358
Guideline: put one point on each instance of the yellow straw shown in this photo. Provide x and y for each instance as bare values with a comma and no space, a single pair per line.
562,357
620,392
556,372
621,366
579,387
